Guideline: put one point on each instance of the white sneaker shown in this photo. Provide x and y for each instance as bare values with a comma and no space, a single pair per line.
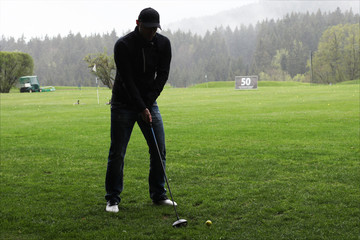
166,202
112,207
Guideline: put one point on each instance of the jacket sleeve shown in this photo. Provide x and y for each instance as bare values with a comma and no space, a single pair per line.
162,73
125,72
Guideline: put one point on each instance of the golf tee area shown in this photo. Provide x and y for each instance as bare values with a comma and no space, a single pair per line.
278,162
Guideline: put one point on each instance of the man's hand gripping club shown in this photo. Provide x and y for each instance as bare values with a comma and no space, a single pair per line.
146,116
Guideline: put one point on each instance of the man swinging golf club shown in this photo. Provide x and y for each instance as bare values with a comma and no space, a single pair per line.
142,60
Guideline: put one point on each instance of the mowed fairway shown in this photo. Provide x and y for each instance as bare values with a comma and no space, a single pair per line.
280,162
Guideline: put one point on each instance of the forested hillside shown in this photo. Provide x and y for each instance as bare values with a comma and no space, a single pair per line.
273,49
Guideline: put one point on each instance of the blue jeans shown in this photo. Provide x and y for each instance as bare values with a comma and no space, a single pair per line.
122,123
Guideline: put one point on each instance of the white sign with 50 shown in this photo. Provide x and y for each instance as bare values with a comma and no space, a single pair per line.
246,82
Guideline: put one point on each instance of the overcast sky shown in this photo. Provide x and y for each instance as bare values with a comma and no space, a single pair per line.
37,18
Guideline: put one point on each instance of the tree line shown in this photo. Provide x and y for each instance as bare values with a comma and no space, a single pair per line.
297,47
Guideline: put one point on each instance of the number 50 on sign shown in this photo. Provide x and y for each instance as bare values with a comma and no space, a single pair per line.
246,82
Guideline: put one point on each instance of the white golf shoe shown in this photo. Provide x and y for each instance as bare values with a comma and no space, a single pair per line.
112,207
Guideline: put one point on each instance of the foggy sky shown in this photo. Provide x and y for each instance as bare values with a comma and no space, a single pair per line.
37,18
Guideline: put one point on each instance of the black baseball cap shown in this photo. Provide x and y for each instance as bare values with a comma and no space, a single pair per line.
149,17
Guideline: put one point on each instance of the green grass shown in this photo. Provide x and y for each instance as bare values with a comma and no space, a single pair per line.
279,162
351,82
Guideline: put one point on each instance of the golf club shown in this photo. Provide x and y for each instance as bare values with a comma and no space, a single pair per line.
179,222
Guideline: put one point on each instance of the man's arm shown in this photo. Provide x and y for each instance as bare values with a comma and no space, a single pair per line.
162,74
125,69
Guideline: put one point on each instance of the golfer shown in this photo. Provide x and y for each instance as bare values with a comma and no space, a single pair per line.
142,60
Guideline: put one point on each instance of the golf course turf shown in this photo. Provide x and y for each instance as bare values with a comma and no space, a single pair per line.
279,162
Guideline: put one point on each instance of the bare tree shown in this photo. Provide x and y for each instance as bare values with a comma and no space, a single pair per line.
103,67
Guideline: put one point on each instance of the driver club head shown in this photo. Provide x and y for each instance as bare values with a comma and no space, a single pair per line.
180,223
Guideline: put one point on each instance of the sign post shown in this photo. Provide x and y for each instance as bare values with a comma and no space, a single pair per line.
246,82
97,84
97,90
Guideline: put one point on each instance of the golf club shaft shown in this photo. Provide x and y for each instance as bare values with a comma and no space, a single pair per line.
163,167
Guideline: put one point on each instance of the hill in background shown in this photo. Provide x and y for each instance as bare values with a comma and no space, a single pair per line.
255,12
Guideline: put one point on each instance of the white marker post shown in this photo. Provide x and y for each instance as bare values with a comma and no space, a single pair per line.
97,84
97,90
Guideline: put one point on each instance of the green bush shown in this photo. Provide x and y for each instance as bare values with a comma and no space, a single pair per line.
12,66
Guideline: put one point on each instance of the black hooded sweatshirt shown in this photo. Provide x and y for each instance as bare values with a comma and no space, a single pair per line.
142,69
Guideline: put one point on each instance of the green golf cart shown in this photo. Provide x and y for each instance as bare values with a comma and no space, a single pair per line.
31,84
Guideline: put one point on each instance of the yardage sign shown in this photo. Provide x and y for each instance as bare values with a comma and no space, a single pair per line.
246,82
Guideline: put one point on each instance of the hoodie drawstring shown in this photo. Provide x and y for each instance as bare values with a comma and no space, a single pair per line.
144,59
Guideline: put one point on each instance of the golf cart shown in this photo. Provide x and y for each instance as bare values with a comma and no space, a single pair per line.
31,84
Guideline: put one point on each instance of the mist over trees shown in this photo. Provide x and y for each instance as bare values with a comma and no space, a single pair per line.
273,49
254,12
